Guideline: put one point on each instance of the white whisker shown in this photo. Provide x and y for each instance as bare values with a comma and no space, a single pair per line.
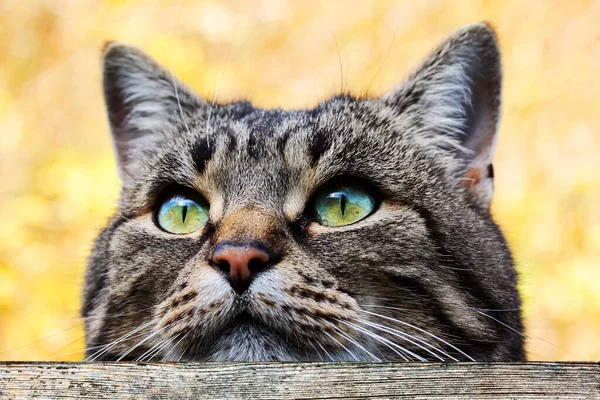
316,351
498,321
326,352
144,341
391,345
112,344
354,342
75,351
173,83
409,338
164,346
496,310
421,330
183,352
154,350
166,356
378,306
477,310
151,350
339,57
341,345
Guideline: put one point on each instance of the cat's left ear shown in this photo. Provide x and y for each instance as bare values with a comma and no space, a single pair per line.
146,105
453,100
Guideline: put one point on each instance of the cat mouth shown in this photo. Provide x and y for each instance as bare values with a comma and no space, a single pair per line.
255,328
244,320
244,338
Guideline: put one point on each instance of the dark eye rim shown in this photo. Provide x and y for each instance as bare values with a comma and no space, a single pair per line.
173,191
309,214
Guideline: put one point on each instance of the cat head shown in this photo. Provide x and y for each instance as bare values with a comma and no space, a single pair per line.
356,230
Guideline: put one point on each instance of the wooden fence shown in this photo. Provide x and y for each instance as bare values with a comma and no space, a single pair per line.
19,380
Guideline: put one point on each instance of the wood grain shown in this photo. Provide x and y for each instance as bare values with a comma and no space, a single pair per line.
300,381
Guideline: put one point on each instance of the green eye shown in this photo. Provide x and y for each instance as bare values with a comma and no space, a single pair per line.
182,215
343,205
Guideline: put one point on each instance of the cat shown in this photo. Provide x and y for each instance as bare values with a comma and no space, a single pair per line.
359,230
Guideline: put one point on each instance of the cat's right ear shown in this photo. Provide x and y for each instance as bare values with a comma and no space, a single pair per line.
451,103
145,104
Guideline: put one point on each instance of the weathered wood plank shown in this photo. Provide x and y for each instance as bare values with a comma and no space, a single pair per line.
300,381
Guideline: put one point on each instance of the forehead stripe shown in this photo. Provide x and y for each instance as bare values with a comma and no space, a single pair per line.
321,142
202,152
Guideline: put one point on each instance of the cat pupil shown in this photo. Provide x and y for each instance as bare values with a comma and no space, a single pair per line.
343,203
184,213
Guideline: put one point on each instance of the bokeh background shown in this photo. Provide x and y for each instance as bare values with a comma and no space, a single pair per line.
58,182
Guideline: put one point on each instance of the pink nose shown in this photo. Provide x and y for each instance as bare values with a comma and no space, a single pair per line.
241,262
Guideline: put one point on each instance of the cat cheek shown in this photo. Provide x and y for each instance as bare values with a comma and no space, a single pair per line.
196,302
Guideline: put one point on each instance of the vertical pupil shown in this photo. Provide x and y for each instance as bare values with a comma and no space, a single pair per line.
184,213
343,203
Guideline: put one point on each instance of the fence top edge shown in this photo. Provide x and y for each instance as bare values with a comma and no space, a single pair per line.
96,364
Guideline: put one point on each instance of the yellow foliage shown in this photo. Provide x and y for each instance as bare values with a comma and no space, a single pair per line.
58,179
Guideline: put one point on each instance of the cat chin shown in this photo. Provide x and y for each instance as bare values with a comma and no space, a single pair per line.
246,339
249,343
255,343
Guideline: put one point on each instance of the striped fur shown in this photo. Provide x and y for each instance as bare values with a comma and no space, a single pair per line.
422,278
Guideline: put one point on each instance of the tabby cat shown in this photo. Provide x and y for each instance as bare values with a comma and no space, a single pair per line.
356,230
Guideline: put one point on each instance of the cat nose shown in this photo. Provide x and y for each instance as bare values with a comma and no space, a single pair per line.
241,262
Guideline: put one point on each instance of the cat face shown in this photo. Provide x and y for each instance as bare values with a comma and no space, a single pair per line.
357,230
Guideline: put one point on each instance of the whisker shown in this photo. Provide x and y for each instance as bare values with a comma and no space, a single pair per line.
75,351
183,352
154,350
421,330
339,56
109,346
220,83
344,347
378,298
354,342
144,341
42,339
151,350
382,327
388,343
496,310
384,59
105,316
326,352
55,354
64,347
347,66
477,310
86,319
187,128
316,351
163,347
498,321
378,306
409,338
169,342
322,348
166,356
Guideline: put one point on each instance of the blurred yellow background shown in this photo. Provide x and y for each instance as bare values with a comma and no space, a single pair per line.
58,182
